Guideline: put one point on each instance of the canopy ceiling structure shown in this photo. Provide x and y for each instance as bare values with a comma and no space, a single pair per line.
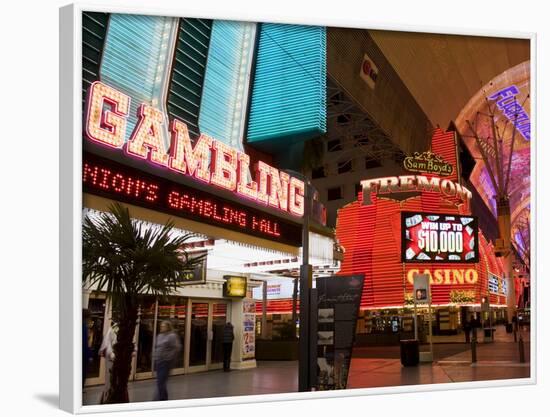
514,146
443,72
481,104
451,77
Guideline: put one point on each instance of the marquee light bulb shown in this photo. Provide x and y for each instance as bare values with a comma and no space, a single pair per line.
177,146
262,171
296,200
147,136
249,190
278,194
106,126
224,165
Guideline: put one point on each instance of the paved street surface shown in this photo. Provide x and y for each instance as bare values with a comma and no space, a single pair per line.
381,366
267,378
370,367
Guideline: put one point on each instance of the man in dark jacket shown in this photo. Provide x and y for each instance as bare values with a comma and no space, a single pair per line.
227,341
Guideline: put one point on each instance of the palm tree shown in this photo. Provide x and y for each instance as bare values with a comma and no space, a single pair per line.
126,258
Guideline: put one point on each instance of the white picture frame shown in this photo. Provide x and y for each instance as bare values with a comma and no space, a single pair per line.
70,206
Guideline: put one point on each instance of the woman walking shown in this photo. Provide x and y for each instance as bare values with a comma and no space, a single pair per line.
167,348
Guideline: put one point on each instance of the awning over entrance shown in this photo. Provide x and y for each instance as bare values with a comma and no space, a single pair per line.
236,252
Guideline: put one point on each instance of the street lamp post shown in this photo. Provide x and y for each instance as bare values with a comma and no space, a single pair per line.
306,278
307,352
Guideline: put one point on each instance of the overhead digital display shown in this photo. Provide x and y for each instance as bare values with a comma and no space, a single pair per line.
440,238
119,182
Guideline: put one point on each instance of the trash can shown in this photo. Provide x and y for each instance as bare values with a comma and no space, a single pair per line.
409,352
509,327
487,332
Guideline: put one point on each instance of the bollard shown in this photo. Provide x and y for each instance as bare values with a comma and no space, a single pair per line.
515,335
521,350
474,352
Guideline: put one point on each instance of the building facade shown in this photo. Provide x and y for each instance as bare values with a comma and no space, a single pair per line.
377,233
185,119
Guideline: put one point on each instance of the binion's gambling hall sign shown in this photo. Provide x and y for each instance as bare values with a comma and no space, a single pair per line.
210,162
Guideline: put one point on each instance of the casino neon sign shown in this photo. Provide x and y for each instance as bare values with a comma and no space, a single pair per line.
209,161
446,276
412,183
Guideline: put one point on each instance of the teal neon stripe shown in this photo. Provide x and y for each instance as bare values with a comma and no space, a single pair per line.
289,93
225,92
135,58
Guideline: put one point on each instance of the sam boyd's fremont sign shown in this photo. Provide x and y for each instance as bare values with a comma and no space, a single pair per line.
427,162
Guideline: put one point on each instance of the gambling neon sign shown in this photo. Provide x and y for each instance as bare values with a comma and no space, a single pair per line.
210,161
112,180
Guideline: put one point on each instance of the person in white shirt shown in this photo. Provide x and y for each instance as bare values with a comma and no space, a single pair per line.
106,351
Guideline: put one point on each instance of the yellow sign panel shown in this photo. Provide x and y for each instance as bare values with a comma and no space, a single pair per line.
234,286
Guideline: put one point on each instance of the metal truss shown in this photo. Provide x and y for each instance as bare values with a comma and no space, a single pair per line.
522,232
495,137
359,135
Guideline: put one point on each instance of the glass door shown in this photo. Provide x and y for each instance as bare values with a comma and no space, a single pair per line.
205,339
219,318
94,323
199,346
174,310
145,337
178,324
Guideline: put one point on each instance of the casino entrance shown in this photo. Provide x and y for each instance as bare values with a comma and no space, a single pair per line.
199,311
198,323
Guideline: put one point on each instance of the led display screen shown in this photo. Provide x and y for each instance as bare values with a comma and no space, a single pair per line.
122,183
433,237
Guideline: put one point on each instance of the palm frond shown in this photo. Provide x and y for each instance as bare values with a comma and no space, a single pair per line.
122,255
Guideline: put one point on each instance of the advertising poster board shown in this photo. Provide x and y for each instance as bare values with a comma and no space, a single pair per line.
421,289
338,305
433,237
249,327
493,283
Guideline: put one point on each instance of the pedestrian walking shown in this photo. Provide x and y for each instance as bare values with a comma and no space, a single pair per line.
515,322
467,328
167,348
228,337
107,351
474,326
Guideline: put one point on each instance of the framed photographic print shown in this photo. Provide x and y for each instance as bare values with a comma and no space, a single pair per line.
253,201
